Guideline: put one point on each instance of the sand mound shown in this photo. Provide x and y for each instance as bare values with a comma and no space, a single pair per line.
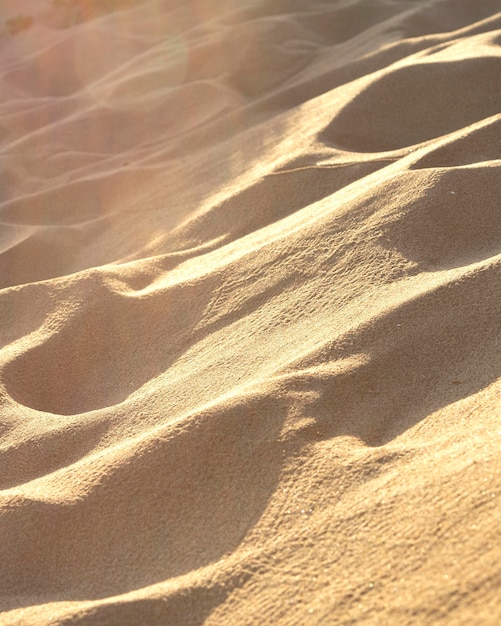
250,265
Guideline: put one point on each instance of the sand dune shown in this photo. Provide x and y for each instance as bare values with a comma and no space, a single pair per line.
250,277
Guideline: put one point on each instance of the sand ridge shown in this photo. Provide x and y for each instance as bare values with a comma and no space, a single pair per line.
250,350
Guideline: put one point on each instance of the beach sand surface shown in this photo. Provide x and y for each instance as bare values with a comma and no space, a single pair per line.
250,312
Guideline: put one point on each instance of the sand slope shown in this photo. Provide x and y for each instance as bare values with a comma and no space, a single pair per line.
250,277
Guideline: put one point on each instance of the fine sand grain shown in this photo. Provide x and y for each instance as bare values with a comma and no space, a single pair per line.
250,312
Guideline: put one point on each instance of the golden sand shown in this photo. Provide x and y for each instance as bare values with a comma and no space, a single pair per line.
250,312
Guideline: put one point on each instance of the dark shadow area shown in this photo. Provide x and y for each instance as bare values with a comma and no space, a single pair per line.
416,103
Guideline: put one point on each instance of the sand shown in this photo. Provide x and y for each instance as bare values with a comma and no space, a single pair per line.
250,278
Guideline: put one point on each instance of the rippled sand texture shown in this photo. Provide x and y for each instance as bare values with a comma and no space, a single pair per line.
250,305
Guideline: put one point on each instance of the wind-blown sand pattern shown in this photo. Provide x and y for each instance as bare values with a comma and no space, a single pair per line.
250,304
